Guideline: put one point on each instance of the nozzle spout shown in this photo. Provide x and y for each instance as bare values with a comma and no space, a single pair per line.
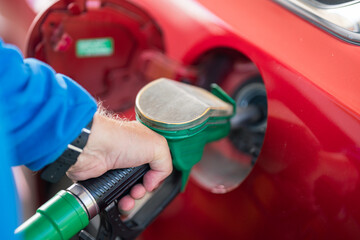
245,116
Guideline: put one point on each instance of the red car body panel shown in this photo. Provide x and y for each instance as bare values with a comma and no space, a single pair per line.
306,181
305,184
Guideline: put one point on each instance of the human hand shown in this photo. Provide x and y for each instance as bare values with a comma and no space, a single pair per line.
116,144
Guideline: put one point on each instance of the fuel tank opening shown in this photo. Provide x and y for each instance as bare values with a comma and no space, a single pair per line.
226,163
249,124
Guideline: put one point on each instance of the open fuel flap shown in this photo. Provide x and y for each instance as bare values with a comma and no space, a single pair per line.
110,47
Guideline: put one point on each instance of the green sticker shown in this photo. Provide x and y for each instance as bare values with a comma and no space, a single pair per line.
95,47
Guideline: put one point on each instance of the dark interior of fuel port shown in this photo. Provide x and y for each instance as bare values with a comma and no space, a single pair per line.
236,154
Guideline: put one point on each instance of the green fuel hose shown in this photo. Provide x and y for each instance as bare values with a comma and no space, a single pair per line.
59,218
69,211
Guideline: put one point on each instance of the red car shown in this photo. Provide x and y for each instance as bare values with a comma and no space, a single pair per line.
294,173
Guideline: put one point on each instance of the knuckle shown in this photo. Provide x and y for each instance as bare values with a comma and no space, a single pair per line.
163,141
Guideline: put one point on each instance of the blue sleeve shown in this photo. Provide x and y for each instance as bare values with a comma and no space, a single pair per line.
46,110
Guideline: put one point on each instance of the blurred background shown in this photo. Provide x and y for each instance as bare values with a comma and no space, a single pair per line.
16,17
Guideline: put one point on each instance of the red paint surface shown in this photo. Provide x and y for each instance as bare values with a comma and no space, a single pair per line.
305,184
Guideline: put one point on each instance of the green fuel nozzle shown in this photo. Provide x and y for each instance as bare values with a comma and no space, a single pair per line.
188,117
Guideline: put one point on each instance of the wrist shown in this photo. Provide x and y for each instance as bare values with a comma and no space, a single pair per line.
102,132
99,155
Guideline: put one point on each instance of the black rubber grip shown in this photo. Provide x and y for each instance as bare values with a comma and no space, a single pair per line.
114,184
56,170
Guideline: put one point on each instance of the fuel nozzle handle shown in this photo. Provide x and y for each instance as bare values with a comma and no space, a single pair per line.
98,193
69,211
